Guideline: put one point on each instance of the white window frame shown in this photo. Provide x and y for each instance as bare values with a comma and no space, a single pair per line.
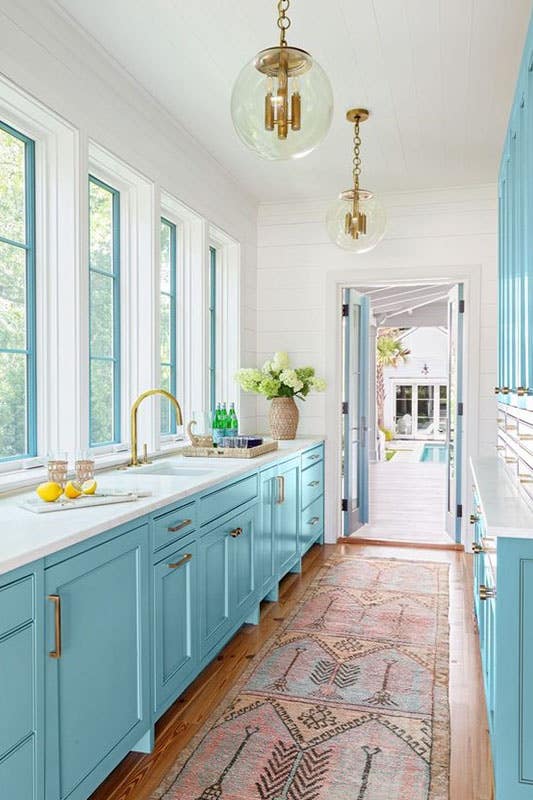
414,383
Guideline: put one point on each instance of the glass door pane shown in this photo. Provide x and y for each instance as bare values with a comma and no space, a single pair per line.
443,409
425,410
403,417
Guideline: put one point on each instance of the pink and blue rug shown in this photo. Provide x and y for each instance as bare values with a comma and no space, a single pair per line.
348,702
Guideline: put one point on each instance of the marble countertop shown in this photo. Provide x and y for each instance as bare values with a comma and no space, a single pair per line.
506,511
26,536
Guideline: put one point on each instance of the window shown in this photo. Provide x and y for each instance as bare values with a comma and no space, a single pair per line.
18,415
167,323
104,313
420,410
212,327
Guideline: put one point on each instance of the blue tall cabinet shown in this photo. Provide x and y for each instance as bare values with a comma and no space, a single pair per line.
97,640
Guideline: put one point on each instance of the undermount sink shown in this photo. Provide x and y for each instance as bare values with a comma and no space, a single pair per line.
171,469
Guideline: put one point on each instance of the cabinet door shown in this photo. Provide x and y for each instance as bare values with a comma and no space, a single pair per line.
242,530
265,541
287,514
214,587
176,614
97,670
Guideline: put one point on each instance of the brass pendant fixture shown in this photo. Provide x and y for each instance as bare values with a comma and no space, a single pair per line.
356,221
282,101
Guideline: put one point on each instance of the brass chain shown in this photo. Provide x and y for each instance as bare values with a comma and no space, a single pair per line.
284,22
356,161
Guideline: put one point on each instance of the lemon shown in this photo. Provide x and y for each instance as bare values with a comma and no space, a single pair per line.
89,487
72,490
49,491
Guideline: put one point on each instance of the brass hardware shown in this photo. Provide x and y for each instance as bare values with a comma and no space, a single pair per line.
525,437
473,519
355,220
56,600
511,460
183,560
521,391
145,454
497,390
505,390
314,521
314,483
183,524
357,114
525,479
281,490
485,593
235,532
477,548
500,447
134,460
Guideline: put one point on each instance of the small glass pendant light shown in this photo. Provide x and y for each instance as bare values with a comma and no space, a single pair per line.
356,220
282,101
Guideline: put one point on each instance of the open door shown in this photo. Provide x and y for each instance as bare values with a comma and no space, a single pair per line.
454,511
355,410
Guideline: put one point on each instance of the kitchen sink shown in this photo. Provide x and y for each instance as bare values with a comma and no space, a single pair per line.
171,469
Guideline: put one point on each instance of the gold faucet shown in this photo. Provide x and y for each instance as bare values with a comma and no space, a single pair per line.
134,461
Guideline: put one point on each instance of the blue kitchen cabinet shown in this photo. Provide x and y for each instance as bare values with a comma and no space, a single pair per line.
214,588
21,698
287,516
97,665
243,567
312,498
266,541
176,641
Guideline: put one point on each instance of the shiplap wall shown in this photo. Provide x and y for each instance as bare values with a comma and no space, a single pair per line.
48,56
425,230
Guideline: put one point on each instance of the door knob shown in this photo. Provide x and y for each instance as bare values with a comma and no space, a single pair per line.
473,519
485,593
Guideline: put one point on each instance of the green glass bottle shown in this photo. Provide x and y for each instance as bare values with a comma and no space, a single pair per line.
233,423
218,431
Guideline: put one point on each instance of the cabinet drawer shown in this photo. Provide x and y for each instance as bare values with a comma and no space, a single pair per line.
17,772
312,456
312,484
312,522
16,688
217,503
173,525
16,604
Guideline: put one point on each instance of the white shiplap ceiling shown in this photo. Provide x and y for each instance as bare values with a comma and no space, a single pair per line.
437,75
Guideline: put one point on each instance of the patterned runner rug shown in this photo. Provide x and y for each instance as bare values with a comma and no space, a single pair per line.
348,702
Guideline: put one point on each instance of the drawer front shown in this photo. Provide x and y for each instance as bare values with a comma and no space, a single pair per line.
312,523
17,773
174,525
217,503
312,484
16,604
16,688
311,457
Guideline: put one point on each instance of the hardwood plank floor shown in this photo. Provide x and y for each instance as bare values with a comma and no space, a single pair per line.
470,770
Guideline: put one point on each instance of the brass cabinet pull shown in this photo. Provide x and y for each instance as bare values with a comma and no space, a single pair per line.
473,519
314,521
511,460
497,390
181,525
521,391
477,548
485,593
314,483
281,490
56,600
505,390
235,532
183,560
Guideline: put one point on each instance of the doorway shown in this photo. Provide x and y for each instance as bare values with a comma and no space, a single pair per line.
402,412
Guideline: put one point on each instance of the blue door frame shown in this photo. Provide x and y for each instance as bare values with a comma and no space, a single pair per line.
454,513
355,410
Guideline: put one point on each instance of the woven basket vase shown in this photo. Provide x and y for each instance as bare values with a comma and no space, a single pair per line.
284,417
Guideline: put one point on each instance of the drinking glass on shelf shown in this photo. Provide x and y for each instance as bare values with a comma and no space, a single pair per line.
57,467
84,466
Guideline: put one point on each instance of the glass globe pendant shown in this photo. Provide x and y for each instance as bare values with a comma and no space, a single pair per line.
282,101
356,220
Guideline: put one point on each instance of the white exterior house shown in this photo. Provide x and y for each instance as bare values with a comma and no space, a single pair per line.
416,390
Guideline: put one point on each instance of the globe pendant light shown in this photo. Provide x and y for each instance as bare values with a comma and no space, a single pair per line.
356,221
282,101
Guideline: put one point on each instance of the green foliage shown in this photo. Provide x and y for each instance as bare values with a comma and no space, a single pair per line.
278,379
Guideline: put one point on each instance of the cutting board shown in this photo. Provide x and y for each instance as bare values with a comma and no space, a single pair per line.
38,506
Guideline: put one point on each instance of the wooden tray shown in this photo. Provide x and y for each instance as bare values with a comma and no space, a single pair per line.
230,452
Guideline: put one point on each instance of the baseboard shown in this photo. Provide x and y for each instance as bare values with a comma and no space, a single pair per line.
360,540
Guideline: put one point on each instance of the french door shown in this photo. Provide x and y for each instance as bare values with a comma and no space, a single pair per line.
455,411
420,410
355,410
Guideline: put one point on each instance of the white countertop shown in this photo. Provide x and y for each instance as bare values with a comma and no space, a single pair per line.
26,536
506,511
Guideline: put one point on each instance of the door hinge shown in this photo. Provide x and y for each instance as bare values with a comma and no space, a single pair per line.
344,505
344,408
459,510
345,309
460,409
461,306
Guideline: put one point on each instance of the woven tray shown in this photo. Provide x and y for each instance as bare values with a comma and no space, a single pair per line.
230,452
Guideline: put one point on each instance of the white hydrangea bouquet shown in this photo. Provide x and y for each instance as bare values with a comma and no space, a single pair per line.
279,382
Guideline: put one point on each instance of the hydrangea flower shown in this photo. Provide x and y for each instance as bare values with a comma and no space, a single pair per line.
277,378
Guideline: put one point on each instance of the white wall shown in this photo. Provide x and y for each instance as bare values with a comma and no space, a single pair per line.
46,55
428,346
438,234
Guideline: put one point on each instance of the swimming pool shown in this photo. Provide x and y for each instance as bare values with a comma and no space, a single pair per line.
435,453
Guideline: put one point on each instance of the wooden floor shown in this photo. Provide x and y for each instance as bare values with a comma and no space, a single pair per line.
407,503
470,771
